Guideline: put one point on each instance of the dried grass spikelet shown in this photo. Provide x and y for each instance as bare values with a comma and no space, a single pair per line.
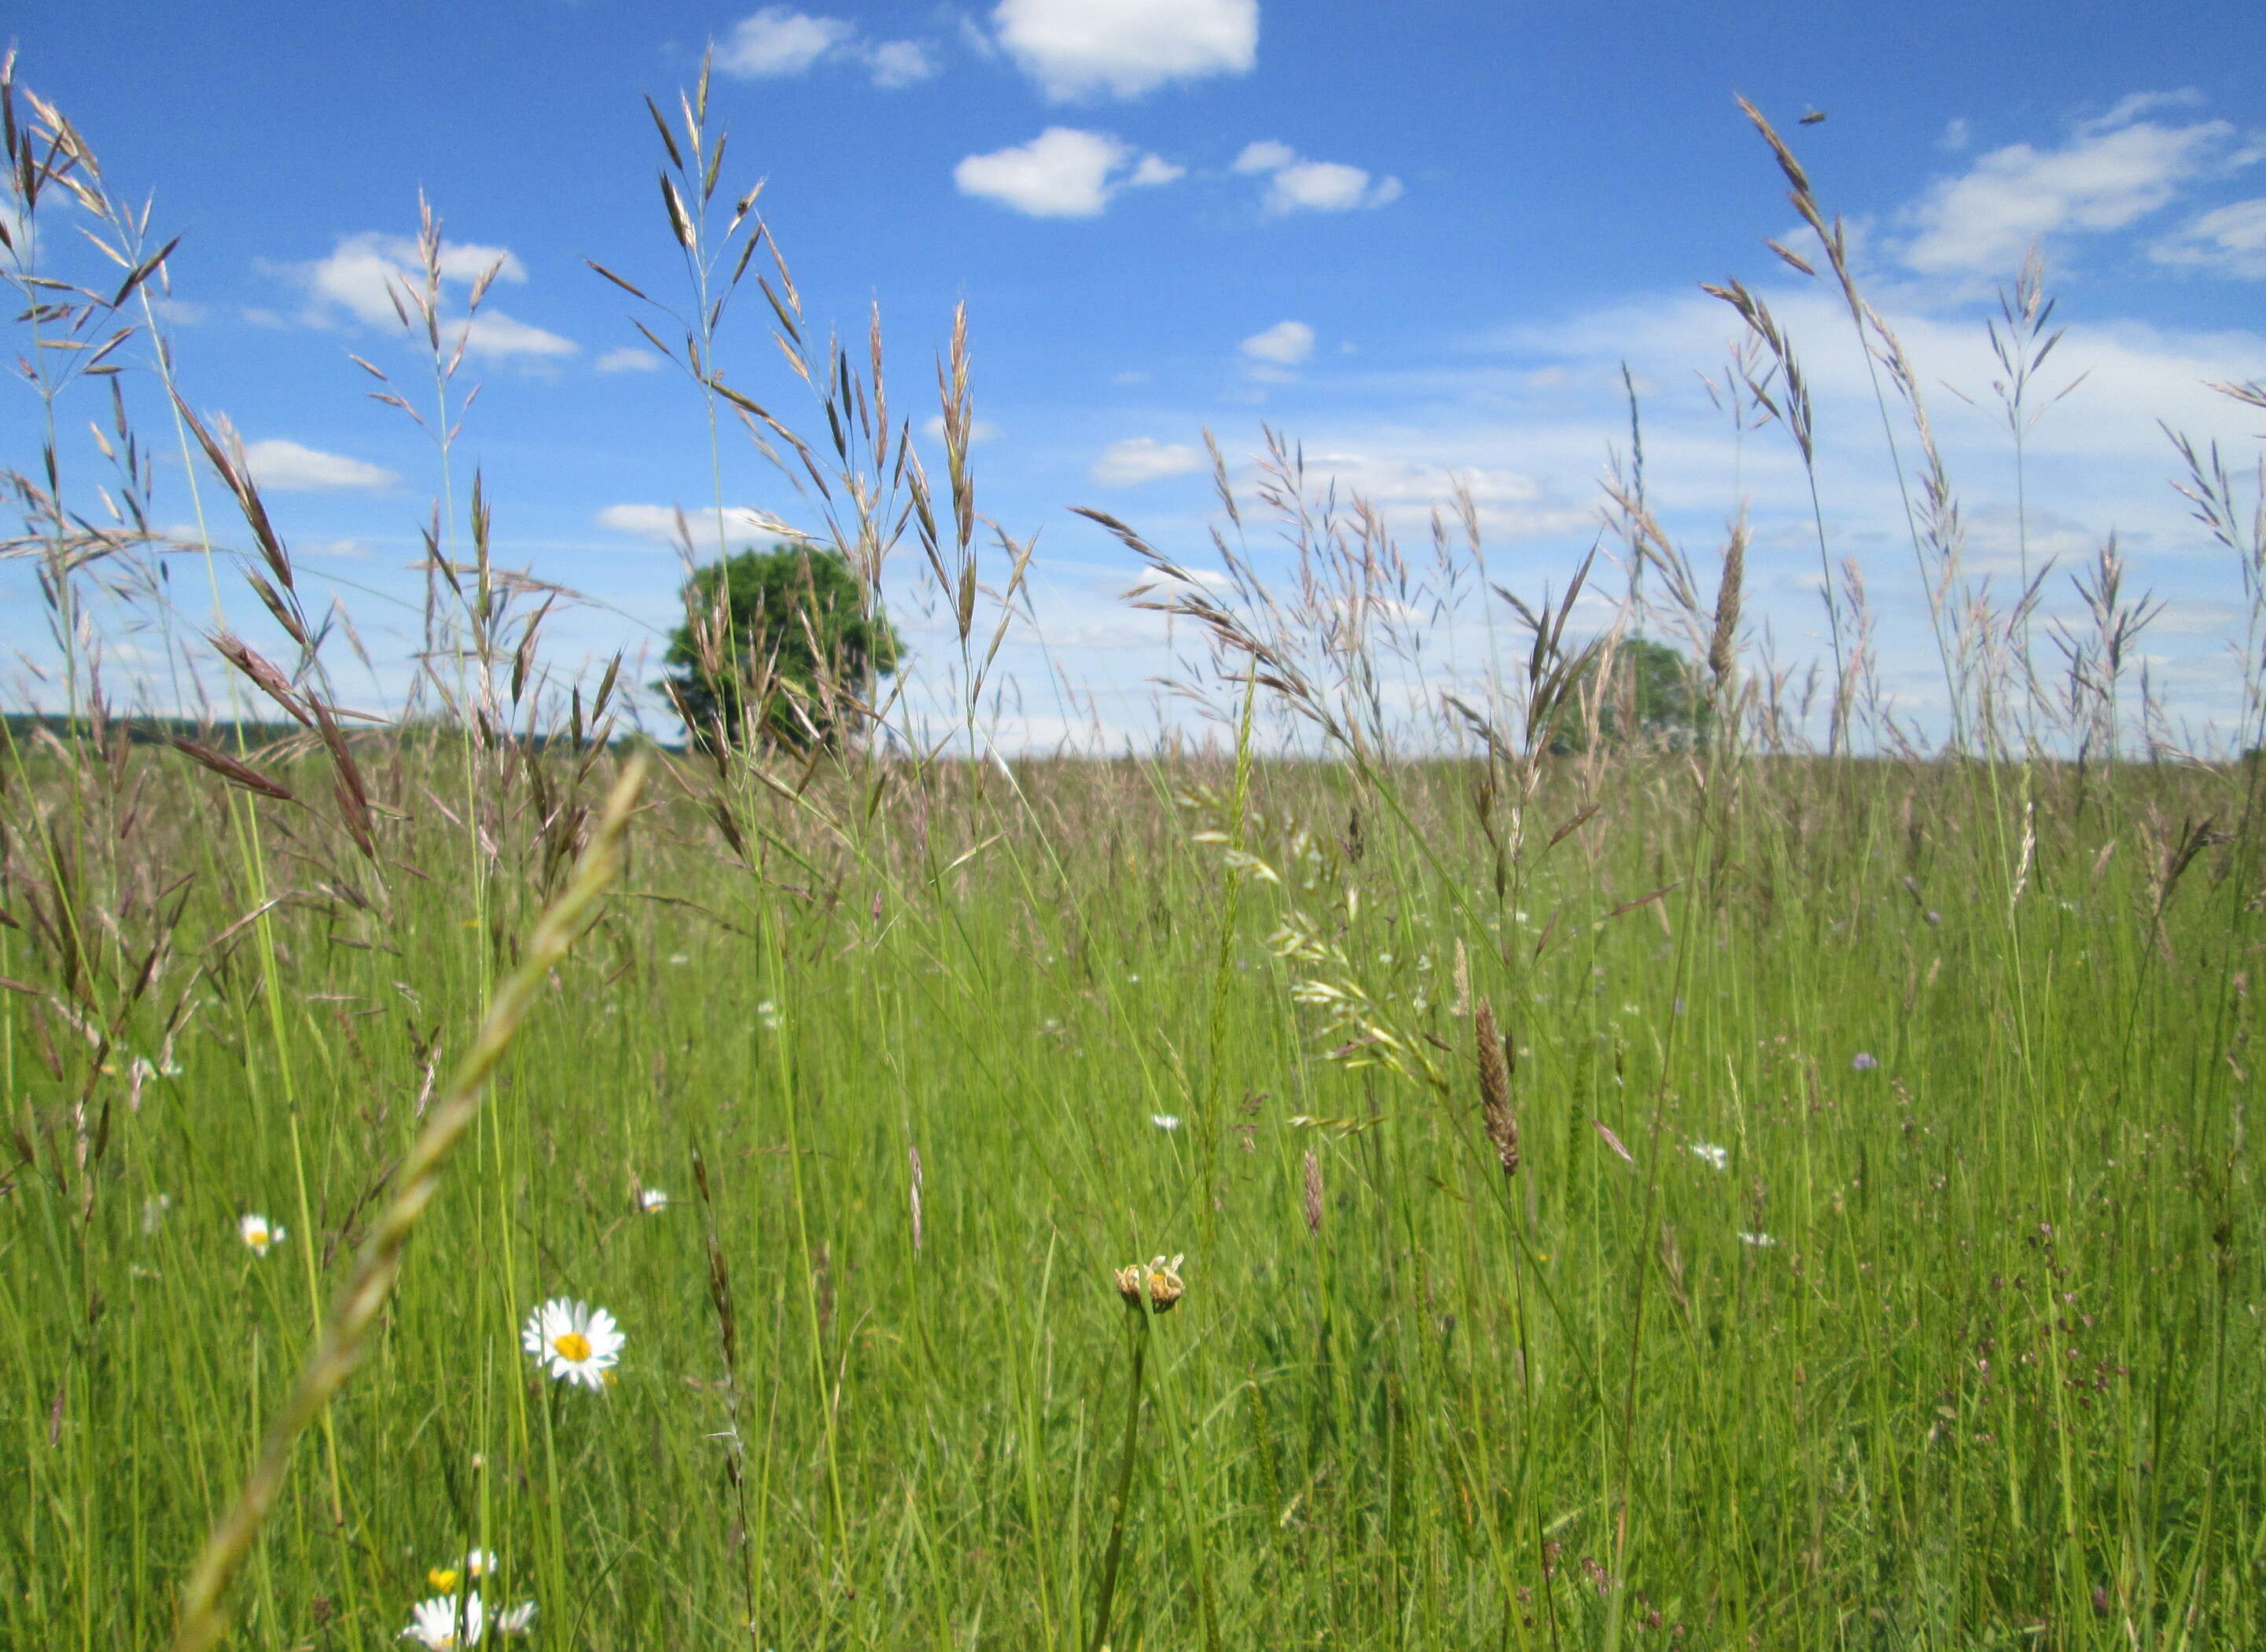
1723,642
1313,1193
1155,1284
1494,1087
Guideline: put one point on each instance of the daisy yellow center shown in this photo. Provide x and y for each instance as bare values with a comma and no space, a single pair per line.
572,1345
443,1578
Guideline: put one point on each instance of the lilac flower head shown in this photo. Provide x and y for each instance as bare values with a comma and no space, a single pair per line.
1864,1063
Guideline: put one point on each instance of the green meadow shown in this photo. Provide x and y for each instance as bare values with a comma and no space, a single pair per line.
1737,1177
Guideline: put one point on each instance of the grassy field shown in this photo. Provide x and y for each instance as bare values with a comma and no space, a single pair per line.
1948,1338
1579,1184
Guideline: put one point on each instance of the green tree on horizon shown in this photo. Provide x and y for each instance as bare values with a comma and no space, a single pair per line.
1651,696
778,646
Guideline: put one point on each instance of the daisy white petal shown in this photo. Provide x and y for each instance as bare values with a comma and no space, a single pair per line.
576,1343
444,1624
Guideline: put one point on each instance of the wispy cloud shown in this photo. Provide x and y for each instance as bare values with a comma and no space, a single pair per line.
2230,240
1064,172
1123,49
2111,172
659,522
629,358
290,468
896,63
1140,459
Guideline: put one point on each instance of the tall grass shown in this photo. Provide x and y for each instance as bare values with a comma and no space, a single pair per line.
1720,1196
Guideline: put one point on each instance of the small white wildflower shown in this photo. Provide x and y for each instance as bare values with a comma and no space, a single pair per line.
1760,1241
518,1620
578,1343
257,1233
652,1201
1717,1158
1166,1121
680,958
435,1624
153,1210
768,1013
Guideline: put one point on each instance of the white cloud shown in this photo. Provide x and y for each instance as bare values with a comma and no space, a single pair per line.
2112,171
496,335
1295,185
659,522
1061,174
364,271
1265,156
899,63
1140,459
1285,344
1958,132
2230,241
361,269
290,468
630,358
779,40
334,550
1077,48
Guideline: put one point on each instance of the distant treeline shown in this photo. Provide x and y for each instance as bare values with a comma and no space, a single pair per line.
231,733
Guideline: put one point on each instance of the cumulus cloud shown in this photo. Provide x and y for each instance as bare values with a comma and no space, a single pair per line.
1061,174
360,275
659,522
1122,48
779,40
2228,241
2112,171
1285,344
290,468
1140,459
1297,184
630,358
364,271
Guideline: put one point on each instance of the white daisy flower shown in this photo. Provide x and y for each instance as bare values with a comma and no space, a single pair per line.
652,1201
258,1234
434,1624
1166,1121
1717,1158
578,1342
1760,1241
519,1620
479,1562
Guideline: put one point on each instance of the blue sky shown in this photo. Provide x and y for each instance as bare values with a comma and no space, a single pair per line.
1419,238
